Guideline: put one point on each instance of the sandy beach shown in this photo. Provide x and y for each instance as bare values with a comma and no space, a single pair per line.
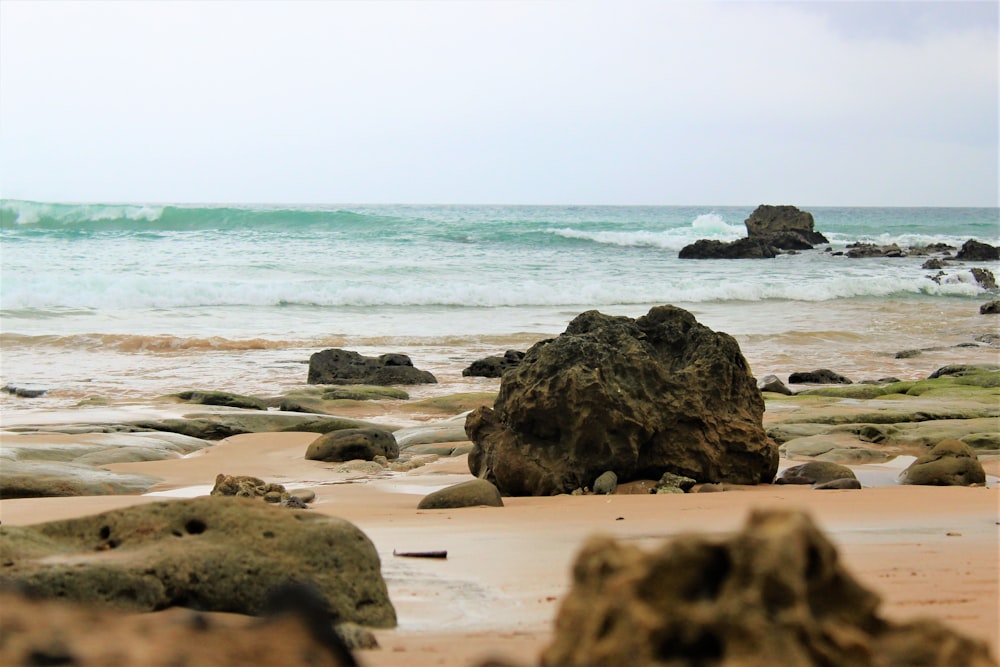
927,551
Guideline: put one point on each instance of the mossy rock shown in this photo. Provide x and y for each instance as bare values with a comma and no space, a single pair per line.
364,393
453,403
222,398
216,426
213,553
863,391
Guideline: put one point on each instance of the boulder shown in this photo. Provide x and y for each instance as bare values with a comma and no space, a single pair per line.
814,472
473,493
949,463
661,393
976,251
493,366
744,248
990,308
335,366
213,553
818,376
773,384
353,443
774,593
606,483
784,227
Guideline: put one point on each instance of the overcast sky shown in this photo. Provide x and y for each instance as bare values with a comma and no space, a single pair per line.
614,102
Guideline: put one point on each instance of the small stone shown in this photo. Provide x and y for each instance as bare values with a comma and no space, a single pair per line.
606,484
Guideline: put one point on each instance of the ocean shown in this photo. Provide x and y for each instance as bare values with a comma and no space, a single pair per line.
125,302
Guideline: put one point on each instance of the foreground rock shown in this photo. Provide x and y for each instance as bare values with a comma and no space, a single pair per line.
295,633
335,366
773,594
949,463
212,553
661,393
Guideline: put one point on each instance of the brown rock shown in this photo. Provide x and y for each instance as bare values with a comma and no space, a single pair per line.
474,493
353,443
642,397
773,594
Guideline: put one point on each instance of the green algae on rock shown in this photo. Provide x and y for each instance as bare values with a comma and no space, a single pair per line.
212,553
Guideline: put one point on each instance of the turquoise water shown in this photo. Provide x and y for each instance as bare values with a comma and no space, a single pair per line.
99,281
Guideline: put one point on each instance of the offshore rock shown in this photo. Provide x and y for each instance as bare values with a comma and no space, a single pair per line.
818,376
661,393
990,308
335,366
744,248
974,251
494,366
784,227
774,593
213,553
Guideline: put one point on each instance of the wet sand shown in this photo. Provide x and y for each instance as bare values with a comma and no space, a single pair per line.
928,551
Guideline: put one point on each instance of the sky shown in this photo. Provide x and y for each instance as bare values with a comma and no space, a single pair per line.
514,102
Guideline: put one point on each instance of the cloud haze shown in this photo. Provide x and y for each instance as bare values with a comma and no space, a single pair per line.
630,102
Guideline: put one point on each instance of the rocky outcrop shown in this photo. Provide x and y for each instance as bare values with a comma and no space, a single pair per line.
474,493
784,227
245,486
222,398
984,277
335,366
213,553
494,366
818,376
976,251
661,393
353,443
774,593
863,250
770,229
42,479
949,463
739,249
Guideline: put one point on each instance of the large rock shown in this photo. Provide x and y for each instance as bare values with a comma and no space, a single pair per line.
815,472
335,366
949,463
774,593
784,227
661,393
975,251
213,553
353,443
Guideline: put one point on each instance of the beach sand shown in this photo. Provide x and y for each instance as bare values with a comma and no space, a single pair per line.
928,551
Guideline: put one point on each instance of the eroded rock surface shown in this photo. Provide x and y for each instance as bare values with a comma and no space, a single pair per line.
213,553
661,393
773,594
336,366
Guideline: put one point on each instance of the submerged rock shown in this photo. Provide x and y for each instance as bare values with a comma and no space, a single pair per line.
661,393
213,553
774,593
